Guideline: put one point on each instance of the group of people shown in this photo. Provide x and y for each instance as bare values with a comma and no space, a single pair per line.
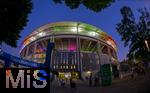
96,80
63,82
138,70
72,83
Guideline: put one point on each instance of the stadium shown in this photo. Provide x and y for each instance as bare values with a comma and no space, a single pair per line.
79,47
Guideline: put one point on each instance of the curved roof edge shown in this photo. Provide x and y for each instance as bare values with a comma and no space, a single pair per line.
83,28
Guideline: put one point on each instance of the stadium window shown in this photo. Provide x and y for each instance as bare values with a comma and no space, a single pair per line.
71,67
63,67
66,67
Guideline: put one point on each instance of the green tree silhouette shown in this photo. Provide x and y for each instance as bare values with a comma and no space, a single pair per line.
13,17
135,33
94,5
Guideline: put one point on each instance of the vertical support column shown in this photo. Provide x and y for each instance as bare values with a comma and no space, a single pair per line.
115,53
99,52
80,60
34,51
53,60
67,58
27,52
48,55
78,50
110,60
22,53
75,60
109,53
77,43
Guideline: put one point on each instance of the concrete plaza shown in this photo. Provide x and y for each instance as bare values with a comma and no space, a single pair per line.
140,84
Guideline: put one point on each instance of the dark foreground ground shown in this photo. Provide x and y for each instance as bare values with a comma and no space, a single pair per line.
140,84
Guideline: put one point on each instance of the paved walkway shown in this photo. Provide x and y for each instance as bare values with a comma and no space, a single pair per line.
139,84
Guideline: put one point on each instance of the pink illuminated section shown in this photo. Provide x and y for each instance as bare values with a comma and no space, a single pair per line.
72,46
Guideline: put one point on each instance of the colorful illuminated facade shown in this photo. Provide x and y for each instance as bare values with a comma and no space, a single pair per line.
78,46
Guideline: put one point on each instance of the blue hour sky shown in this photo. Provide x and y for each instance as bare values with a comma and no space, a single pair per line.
46,11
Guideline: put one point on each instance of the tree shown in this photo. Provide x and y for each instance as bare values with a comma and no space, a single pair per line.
135,33
13,17
94,5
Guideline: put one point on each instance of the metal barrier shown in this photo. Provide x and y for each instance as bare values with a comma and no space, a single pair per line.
9,59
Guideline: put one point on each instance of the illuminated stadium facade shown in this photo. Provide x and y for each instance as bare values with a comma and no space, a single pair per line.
78,46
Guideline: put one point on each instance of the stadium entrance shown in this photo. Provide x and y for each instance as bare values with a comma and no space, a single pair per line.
64,61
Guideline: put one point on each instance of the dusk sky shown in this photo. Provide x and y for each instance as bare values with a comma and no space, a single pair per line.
46,11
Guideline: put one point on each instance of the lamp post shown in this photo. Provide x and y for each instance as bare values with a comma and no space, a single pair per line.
146,43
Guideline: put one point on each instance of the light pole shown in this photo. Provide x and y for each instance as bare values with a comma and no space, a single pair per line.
146,43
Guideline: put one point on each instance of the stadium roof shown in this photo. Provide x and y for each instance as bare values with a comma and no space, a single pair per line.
69,28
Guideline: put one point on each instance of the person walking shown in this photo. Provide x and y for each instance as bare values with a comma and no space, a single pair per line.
90,80
132,72
72,85
62,83
95,81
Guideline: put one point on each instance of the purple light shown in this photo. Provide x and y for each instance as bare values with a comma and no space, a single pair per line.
72,46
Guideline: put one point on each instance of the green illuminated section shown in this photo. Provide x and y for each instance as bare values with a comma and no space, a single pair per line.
87,27
82,29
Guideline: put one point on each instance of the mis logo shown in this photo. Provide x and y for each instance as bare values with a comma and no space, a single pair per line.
29,78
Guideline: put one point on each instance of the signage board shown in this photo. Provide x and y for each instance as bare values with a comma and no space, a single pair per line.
106,74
